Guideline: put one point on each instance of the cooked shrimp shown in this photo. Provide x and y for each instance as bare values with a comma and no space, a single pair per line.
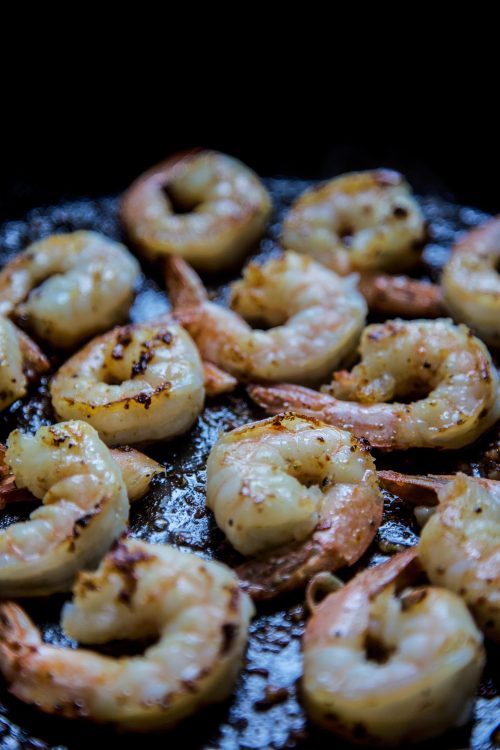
224,209
399,360
20,360
460,544
317,318
401,296
137,469
385,666
84,508
471,284
362,221
193,606
301,494
68,287
134,384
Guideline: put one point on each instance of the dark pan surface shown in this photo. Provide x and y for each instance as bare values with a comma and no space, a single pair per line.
265,711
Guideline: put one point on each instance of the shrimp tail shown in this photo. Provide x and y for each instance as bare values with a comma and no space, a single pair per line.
416,489
217,381
402,296
19,638
184,286
9,493
288,397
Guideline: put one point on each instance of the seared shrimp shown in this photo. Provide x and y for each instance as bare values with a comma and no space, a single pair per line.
135,384
195,609
20,360
362,221
224,208
471,284
68,287
317,318
137,470
84,509
385,666
401,360
460,543
300,494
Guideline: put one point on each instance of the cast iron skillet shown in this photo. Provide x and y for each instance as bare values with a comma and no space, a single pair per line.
265,710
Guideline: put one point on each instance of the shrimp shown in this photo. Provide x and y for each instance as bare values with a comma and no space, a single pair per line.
460,544
205,206
387,665
85,508
363,221
470,281
69,287
300,494
137,469
195,609
20,361
445,363
135,384
317,318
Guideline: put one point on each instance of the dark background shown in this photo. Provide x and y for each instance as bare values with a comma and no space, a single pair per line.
88,102
64,142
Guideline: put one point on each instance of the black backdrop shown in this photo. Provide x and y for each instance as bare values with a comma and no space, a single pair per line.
50,149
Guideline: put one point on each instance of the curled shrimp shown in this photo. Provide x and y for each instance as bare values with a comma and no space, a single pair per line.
362,221
459,546
301,495
470,281
137,470
195,609
85,508
367,222
135,384
387,665
224,208
316,316
400,360
68,287
20,361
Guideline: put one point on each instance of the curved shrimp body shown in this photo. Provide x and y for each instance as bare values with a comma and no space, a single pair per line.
20,361
13,382
134,384
137,470
400,359
460,546
301,494
224,209
195,609
84,509
69,286
385,666
317,318
362,221
470,281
